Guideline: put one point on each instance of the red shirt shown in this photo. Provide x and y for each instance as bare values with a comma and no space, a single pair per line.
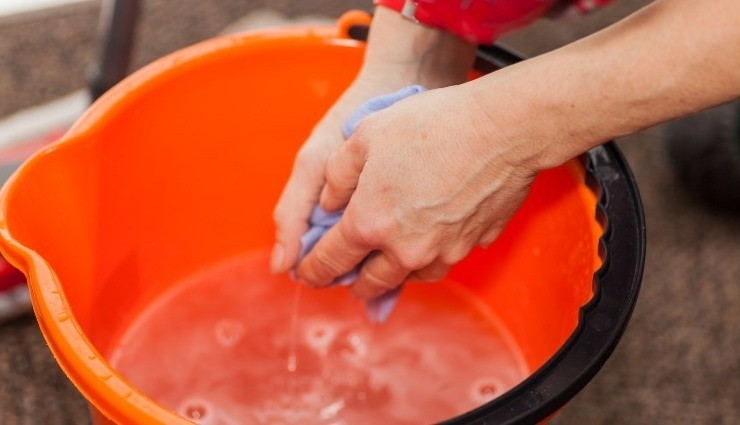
483,21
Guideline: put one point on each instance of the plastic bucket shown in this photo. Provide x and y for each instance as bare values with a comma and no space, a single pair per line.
141,193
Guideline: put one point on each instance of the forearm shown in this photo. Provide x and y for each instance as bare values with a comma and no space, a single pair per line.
409,53
670,59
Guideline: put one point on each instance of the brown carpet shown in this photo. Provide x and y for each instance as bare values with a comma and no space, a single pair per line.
680,358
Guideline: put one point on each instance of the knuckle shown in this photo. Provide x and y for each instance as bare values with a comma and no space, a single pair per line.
430,275
368,231
411,262
489,237
279,214
368,235
361,134
454,255
379,282
307,159
354,144
362,129
415,258
327,264
305,154
331,176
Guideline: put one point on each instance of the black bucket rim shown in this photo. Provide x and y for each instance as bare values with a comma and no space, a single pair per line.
603,320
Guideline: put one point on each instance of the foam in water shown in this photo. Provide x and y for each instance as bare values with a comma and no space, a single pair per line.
217,350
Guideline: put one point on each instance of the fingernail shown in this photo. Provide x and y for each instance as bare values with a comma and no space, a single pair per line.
277,259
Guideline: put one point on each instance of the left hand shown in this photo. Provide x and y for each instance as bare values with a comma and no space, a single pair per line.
424,182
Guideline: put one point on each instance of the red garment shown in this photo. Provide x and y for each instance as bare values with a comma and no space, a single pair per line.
482,21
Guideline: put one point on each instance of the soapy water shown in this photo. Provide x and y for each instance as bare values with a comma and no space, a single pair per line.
217,350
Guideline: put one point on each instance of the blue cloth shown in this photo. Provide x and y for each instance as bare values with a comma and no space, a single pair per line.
321,221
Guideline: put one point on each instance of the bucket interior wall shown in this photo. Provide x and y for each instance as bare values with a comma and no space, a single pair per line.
186,173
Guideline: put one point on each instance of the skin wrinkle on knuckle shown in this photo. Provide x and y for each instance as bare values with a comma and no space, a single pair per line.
379,284
326,265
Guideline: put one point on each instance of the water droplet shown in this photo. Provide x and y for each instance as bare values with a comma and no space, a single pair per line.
292,363
356,346
485,390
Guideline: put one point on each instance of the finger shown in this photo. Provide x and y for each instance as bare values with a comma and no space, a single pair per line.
431,273
379,274
293,211
490,235
342,173
335,254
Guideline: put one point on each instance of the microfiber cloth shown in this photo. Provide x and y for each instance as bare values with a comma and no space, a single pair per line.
377,309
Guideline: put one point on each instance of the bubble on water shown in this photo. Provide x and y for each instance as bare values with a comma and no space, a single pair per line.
228,332
358,345
351,347
196,410
485,390
319,336
292,363
422,367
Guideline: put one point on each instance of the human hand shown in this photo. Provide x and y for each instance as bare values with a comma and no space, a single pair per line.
422,187
301,193
399,53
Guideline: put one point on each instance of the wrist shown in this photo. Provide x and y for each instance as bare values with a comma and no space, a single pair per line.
537,109
502,125
403,51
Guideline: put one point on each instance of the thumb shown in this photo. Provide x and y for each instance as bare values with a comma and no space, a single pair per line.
293,210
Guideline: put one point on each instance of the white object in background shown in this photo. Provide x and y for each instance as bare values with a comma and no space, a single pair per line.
10,7
35,122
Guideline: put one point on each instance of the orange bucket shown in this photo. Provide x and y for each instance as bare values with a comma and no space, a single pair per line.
150,186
